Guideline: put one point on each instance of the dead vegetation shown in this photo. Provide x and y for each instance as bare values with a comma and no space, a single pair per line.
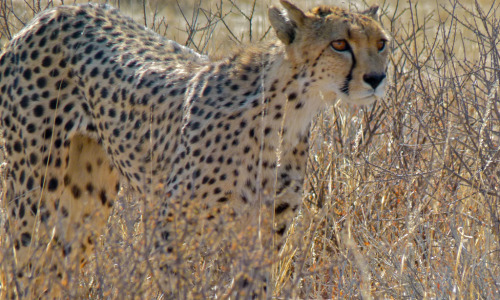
402,198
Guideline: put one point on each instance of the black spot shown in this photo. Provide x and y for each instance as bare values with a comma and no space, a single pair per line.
34,55
76,191
27,74
25,101
47,134
88,167
18,146
281,208
207,90
22,211
33,158
53,103
25,239
94,72
46,61
89,49
99,54
61,84
34,208
195,125
281,231
41,82
104,93
58,121
66,180
24,55
64,212
30,183
44,216
222,199
63,63
38,110
54,73
68,107
103,197
53,183
54,34
41,30
89,187
194,139
69,125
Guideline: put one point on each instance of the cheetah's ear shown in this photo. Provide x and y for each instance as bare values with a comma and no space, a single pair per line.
285,25
373,12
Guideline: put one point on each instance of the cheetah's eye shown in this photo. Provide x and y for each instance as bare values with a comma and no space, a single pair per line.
381,45
340,45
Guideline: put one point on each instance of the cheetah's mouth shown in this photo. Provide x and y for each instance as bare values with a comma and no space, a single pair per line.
367,96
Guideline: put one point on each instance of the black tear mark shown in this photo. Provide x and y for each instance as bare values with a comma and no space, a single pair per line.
348,78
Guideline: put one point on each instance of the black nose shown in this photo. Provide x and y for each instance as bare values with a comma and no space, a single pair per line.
374,79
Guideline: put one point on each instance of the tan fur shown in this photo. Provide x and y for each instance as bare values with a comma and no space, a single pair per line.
216,142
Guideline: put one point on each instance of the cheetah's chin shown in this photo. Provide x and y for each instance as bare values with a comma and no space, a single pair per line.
367,100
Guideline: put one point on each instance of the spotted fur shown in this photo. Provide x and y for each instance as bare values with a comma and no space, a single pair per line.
90,98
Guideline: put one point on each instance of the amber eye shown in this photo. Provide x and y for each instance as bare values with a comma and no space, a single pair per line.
381,45
340,45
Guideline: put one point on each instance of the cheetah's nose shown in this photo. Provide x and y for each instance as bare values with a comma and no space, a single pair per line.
374,79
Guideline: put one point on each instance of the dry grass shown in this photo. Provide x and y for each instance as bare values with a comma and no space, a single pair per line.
402,199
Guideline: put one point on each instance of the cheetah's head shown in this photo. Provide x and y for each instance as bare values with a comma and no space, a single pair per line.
343,52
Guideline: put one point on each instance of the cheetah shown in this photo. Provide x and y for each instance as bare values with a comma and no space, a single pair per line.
89,99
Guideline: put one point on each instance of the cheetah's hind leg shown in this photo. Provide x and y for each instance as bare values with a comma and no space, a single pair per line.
66,214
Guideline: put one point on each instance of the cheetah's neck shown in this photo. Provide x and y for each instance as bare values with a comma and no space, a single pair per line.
287,90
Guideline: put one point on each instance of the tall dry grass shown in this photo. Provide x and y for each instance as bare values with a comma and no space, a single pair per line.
402,198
